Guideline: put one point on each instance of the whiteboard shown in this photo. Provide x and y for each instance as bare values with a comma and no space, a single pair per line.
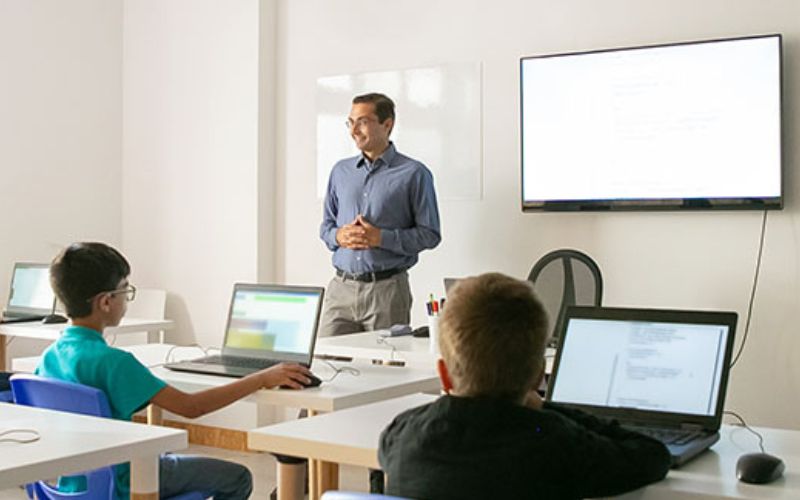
438,122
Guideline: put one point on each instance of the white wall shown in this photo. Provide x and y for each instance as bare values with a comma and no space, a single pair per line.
191,155
60,129
680,260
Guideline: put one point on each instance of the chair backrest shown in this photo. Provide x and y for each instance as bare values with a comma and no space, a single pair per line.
565,278
32,390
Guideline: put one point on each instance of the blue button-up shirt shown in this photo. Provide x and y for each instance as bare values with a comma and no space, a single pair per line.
394,193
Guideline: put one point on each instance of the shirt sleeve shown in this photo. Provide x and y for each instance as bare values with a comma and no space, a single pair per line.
330,210
606,459
426,233
129,385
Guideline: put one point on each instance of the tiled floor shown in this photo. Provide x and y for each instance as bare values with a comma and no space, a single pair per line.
261,465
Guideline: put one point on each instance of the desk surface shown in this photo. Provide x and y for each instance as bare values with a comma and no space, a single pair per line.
72,443
351,437
345,437
369,345
373,383
38,330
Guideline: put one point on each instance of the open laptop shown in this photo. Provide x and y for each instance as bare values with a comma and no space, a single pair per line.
660,372
267,325
31,297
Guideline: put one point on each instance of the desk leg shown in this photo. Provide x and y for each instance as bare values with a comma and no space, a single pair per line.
328,478
2,353
155,415
144,478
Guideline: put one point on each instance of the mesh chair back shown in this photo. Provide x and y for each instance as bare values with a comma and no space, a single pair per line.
564,278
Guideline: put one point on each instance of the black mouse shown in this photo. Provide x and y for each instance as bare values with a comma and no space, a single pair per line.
759,468
315,381
421,332
54,318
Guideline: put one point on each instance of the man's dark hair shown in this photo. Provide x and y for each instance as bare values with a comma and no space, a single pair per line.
384,107
83,270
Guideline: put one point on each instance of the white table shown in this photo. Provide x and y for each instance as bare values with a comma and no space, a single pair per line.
374,382
351,437
73,443
370,345
38,330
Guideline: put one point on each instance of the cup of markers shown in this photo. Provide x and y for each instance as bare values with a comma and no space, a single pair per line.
434,308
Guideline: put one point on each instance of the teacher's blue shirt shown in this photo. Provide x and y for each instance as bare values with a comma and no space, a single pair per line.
394,193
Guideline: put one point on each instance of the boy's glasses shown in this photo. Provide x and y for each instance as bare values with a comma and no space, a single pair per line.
129,291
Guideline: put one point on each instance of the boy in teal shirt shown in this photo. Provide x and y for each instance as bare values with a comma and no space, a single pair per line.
91,280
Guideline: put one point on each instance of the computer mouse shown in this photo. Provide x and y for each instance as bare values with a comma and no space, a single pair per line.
422,331
315,382
759,468
54,318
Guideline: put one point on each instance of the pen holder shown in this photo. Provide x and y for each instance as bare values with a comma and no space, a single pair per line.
433,333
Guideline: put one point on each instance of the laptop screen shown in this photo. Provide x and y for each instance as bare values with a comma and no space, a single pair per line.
31,293
650,360
267,319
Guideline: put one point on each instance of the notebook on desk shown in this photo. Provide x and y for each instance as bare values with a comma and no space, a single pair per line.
31,297
660,372
267,325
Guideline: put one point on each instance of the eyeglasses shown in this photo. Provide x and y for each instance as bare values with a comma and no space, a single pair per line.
129,291
361,122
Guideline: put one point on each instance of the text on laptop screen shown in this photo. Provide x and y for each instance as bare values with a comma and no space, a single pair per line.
272,320
30,288
667,367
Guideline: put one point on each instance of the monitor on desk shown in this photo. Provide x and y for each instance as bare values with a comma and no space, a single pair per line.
31,294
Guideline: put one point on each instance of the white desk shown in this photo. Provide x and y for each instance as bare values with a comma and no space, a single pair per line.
73,443
369,345
38,330
351,437
374,383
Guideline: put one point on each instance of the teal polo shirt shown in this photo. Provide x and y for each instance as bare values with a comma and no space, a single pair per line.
81,355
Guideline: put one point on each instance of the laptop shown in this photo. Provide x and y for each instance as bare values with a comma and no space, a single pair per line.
267,325
660,372
31,297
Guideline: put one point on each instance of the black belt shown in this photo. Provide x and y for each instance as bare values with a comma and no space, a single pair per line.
368,277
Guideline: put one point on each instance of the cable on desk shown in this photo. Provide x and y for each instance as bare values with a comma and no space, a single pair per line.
33,436
742,423
168,356
337,370
382,340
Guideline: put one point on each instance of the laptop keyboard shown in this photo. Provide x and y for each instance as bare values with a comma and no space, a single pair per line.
238,361
667,436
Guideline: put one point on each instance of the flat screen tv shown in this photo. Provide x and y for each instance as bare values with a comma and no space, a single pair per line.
693,125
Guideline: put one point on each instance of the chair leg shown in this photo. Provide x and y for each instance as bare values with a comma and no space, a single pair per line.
291,481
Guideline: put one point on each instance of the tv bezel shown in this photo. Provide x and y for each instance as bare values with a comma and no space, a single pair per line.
659,204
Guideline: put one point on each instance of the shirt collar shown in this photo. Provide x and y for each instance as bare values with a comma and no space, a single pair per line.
82,332
384,159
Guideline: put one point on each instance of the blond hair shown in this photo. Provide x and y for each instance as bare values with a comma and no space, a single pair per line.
493,335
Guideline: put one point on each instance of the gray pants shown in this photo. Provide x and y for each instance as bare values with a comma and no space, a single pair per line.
220,478
356,306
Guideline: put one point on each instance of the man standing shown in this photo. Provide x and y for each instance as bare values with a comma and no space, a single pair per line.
380,213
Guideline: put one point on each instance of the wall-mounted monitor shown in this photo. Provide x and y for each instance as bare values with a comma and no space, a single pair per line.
692,125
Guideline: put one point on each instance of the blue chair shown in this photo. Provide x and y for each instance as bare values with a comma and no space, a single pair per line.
32,390
5,389
353,495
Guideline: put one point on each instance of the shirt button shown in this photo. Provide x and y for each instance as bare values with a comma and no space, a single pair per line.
365,195
358,258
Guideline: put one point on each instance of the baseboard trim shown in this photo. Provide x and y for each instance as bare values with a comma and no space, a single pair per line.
206,435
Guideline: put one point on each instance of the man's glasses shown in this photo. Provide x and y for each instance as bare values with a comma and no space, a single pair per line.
361,122
129,291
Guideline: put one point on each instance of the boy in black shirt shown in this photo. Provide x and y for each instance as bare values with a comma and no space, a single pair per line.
492,436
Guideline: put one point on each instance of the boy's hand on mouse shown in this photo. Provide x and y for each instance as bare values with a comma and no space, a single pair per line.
533,400
289,375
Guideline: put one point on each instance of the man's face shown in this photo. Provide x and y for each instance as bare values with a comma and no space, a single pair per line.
369,135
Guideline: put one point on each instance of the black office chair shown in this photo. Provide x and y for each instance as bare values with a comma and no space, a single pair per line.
563,278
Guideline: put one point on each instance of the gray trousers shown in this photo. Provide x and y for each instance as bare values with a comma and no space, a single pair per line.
355,306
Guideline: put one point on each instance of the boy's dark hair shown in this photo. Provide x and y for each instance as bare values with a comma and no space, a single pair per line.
493,335
83,270
384,107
